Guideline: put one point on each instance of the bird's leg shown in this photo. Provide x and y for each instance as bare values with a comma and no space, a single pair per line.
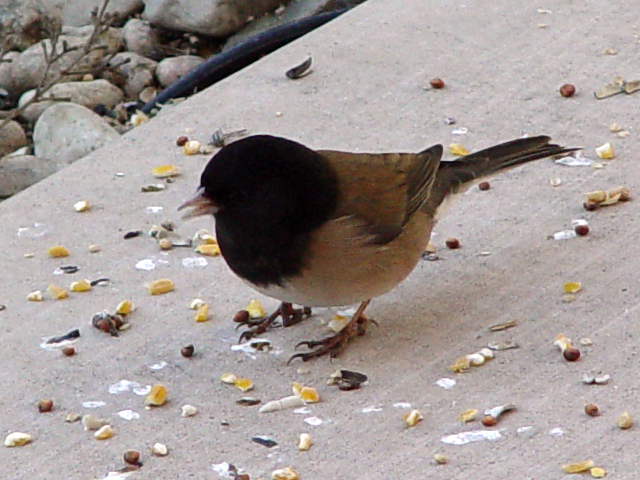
336,344
290,316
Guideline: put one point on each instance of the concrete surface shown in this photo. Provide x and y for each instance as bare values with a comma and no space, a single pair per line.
502,73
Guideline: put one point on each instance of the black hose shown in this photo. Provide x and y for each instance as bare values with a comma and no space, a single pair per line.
226,63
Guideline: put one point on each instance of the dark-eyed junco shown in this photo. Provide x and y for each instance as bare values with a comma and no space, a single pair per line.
327,228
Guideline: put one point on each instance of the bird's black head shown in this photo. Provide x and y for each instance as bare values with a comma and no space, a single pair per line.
269,193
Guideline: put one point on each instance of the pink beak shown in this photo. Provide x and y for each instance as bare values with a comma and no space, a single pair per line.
199,205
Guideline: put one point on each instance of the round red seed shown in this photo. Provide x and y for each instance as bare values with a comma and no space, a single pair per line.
582,230
436,83
452,243
484,186
567,90
571,354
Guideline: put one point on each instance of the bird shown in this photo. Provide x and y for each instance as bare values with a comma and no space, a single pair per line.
326,228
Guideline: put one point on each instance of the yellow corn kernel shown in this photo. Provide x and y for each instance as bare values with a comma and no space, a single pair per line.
597,472
412,418
157,396
165,244
284,474
243,384
208,249
164,171
158,287
228,378
304,442
468,415
255,309
457,149
208,239
58,251
572,287
192,147
202,314
56,292
605,151
104,433
80,286
124,308
578,467
35,296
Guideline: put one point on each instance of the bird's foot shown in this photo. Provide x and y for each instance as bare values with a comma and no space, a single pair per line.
336,344
290,316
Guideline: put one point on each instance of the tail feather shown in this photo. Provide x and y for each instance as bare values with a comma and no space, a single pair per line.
456,176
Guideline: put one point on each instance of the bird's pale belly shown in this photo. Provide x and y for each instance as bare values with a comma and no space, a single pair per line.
345,270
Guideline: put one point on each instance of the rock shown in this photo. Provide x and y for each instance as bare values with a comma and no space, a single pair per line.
140,37
29,67
26,22
78,12
88,94
216,18
6,78
138,72
171,69
66,132
12,137
22,171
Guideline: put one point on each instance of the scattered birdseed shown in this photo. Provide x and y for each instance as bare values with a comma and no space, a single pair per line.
457,149
503,326
591,410
308,394
492,415
301,70
592,380
572,287
158,287
128,415
69,351
58,251
57,293
446,383
208,249
578,467
104,433
586,342
99,281
315,421
287,473
605,151
624,421
132,234
153,187
72,418
264,441
35,296
471,436
91,422
187,352
304,442
139,118
609,197
347,380
165,171
452,243
255,309
555,181
108,323
132,457
202,314
462,364
188,411
157,396
165,244
248,401
412,418
80,286
569,352
81,206
192,147
436,83
597,472
286,402
159,449
17,439
470,415
45,406
439,459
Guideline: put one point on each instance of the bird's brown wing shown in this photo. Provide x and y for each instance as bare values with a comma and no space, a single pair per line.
383,191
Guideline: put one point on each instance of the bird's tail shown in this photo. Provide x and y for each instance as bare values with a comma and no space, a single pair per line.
456,176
